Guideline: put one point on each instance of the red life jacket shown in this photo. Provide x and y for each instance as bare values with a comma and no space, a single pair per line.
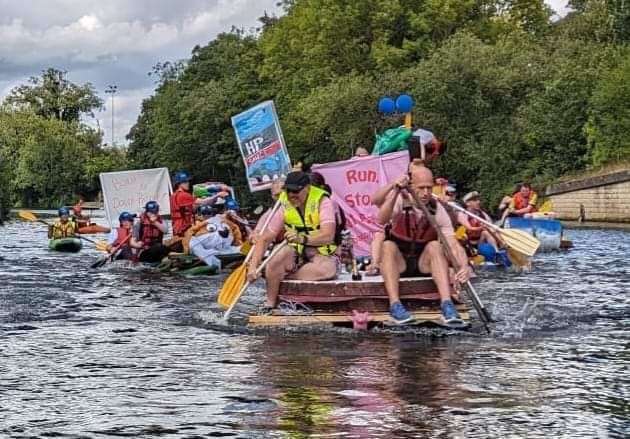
182,212
406,226
122,235
474,235
520,202
149,234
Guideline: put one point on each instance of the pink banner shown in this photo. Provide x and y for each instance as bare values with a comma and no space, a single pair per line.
353,182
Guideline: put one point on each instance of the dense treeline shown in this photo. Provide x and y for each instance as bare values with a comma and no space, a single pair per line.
48,156
517,95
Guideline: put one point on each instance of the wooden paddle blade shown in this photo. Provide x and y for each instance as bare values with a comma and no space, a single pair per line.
27,215
519,259
520,241
101,246
231,286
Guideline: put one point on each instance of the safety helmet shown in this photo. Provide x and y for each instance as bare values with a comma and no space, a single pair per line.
63,211
181,177
205,210
231,204
152,206
126,216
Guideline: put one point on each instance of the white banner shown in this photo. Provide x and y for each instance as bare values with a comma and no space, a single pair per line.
129,191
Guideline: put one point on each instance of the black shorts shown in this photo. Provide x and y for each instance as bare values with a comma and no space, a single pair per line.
411,252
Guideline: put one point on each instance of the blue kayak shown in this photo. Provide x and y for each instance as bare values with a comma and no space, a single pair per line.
548,231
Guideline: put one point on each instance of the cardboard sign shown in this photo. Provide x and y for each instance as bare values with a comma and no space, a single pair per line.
262,145
129,191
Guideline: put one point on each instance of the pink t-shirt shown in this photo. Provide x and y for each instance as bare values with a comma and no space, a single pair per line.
441,216
326,216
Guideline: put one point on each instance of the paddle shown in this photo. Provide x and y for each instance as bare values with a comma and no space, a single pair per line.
484,315
274,252
515,239
110,257
30,216
228,294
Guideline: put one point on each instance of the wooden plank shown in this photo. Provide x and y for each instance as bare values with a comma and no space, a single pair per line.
318,319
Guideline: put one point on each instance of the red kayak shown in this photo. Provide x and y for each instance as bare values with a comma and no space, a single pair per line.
93,228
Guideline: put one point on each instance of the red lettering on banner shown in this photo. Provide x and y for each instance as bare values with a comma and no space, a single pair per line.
269,150
353,176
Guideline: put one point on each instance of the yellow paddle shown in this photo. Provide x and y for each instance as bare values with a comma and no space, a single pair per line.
228,294
240,292
517,240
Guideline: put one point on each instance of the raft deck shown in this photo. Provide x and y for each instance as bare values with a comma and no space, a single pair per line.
333,302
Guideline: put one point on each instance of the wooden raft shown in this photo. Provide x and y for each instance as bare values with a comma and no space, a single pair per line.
333,302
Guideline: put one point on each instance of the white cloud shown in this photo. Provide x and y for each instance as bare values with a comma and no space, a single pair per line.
112,42
117,42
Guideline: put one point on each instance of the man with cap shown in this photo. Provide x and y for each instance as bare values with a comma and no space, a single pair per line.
476,232
412,247
183,203
308,218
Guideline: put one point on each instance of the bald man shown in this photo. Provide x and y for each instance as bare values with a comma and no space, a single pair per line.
412,248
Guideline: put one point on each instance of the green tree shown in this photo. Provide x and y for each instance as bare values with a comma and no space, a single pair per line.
608,128
53,96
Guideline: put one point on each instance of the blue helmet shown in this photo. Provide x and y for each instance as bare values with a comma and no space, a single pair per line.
231,204
205,210
126,216
152,206
63,211
181,177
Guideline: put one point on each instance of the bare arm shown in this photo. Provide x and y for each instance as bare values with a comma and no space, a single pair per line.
387,208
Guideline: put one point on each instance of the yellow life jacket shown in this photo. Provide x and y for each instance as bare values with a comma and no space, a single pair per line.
66,230
293,220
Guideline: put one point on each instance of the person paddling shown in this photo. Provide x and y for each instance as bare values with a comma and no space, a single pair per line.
119,238
307,216
412,247
148,234
523,202
63,227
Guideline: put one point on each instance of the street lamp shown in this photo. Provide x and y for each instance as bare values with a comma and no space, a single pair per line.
112,89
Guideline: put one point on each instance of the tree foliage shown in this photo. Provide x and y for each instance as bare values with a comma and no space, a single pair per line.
52,96
518,97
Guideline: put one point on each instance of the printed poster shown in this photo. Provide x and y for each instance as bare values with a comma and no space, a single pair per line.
262,145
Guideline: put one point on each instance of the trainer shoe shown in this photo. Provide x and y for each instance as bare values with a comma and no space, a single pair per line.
399,314
449,313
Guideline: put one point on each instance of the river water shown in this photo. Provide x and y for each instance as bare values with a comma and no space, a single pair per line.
134,353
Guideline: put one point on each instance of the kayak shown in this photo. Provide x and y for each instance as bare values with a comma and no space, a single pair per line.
65,245
93,228
190,265
548,231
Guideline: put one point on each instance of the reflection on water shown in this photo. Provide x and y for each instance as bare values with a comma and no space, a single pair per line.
129,353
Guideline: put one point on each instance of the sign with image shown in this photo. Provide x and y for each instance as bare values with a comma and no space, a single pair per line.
262,145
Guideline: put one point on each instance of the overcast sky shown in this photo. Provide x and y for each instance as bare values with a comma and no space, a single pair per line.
116,42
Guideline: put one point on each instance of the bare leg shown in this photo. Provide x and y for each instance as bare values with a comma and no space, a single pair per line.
433,261
277,268
376,250
392,265
319,268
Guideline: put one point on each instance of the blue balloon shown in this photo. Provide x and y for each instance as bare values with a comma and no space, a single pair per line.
404,103
386,105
